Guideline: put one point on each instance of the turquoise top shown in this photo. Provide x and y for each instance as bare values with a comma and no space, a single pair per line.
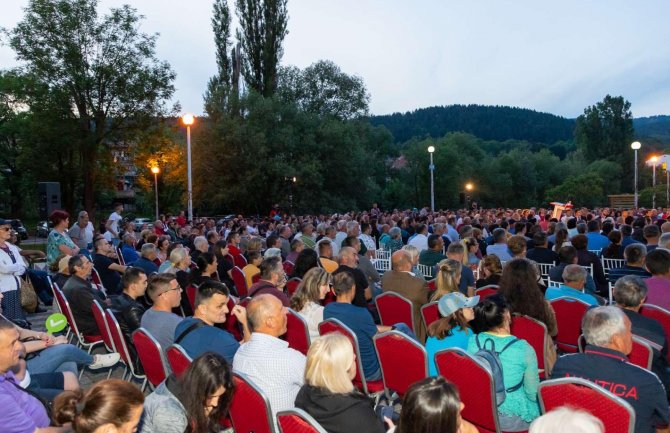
563,290
519,360
54,241
459,338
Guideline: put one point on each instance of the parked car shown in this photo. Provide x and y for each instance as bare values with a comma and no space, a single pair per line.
43,229
140,222
17,226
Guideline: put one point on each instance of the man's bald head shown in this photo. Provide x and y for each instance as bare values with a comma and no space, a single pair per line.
265,315
401,261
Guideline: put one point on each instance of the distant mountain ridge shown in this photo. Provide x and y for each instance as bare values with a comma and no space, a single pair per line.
653,131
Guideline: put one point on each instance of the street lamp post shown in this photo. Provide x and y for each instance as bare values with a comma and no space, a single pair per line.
431,167
155,170
188,120
653,160
635,146
468,187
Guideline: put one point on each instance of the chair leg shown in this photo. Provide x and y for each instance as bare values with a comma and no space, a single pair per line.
144,384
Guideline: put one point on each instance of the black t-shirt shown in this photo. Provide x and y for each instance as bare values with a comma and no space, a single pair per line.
111,279
361,284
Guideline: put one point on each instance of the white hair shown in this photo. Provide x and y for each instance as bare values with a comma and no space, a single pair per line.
600,324
565,419
351,225
199,240
664,241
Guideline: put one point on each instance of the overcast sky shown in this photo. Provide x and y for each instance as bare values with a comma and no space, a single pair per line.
557,56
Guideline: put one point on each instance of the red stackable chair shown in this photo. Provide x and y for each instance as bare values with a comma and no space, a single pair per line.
239,261
297,332
122,348
288,267
97,281
292,285
569,314
250,409
297,421
178,359
475,386
535,333
367,386
486,291
255,278
230,259
432,284
231,324
661,315
394,308
641,355
191,290
429,313
151,356
616,414
87,342
403,361
240,281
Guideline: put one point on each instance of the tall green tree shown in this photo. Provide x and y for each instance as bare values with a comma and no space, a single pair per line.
104,64
263,27
219,86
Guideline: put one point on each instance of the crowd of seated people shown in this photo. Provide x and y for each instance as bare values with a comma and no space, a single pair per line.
335,268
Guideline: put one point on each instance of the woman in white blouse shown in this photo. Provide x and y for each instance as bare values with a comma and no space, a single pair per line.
313,288
11,269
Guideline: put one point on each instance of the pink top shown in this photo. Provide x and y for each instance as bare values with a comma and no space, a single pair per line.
659,292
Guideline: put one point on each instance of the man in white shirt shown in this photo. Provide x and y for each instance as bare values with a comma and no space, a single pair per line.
267,360
420,239
112,224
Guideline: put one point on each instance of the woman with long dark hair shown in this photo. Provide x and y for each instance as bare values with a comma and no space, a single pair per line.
614,250
307,259
193,403
206,266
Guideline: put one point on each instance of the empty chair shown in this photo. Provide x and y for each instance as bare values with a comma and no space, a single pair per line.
178,359
297,421
151,356
403,361
250,409
569,314
394,308
616,415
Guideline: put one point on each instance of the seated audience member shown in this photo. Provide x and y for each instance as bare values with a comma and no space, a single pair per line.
364,263
541,253
499,247
104,261
664,240
657,263
651,233
517,246
448,278
233,240
565,419
614,250
414,253
128,310
596,241
195,402
420,238
297,246
328,394
630,292
266,359
80,295
358,319
490,271
568,256
146,261
348,262
519,362
111,405
473,255
200,245
205,270
128,250
325,247
395,241
432,255
608,335
307,297
400,280
159,320
627,235
252,268
272,252
198,334
366,237
433,405
451,329
588,259
562,239
574,280
635,255
181,262
63,272
306,260
223,267
466,285
45,385
272,282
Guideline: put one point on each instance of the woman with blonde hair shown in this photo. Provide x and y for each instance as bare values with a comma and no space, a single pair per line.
470,257
414,253
328,394
313,288
448,278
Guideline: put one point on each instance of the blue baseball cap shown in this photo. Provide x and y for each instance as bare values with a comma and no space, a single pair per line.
452,302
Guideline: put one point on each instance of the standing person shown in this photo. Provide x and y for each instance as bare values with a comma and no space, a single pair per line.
81,232
11,270
112,225
59,242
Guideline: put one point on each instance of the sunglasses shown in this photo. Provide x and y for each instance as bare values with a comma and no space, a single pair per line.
5,229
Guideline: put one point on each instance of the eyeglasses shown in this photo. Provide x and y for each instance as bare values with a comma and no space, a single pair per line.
168,291
5,229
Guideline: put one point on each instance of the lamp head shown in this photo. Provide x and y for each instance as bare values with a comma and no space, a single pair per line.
653,158
469,186
188,119
635,145
431,149
155,169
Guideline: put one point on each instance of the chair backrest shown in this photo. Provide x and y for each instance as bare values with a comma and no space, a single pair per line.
97,281
403,361
486,291
297,421
661,315
64,306
297,332
119,340
552,283
288,267
596,252
642,353
255,278
544,269
616,414
432,284
429,313
383,254
231,324
475,386
230,259
240,281
569,314
250,409
240,261
381,265
191,290
394,308
151,356
99,316
612,263
427,271
119,255
334,325
535,333
292,285
178,359
589,269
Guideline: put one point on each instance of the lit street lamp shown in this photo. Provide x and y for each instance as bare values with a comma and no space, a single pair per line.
635,146
431,167
468,187
653,161
155,170
188,120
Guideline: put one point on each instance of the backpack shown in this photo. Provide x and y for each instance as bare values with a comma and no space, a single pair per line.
491,359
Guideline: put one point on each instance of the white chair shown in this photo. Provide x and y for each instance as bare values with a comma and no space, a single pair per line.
427,271
611,264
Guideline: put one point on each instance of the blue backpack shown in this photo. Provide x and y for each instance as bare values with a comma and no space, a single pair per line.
491,359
